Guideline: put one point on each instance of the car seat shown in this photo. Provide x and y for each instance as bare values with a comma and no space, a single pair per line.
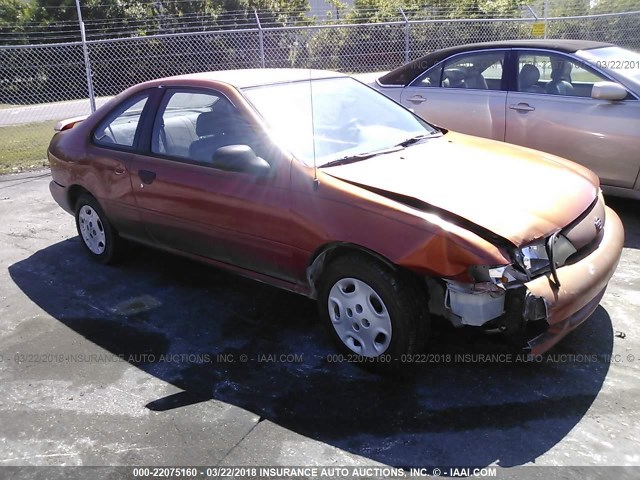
528,79
221,127
560,83
453,78
474,79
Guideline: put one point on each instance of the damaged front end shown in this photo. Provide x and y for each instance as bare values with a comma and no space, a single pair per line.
550,287
513,311
497,307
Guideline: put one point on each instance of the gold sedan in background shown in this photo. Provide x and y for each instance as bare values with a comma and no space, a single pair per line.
576,99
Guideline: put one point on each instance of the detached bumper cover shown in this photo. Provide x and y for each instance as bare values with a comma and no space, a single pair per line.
582,286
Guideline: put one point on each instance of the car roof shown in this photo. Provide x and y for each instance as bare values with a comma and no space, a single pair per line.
407,73
253,77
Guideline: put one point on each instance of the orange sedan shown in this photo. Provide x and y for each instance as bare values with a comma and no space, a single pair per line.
314,182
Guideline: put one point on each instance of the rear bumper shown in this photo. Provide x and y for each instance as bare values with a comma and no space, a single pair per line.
582,286
60,195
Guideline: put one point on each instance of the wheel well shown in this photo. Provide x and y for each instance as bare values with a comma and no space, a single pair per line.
329,253
74,194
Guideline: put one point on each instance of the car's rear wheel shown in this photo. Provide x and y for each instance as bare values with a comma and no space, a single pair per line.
98,237
377,316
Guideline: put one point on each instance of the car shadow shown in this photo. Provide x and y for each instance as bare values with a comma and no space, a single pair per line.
627,210
218,336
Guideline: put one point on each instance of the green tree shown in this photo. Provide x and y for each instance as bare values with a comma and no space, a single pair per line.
368,11
613,6
272,12
60,17
560,8
623,30
13,15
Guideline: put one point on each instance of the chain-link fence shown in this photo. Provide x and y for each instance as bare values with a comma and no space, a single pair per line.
40,84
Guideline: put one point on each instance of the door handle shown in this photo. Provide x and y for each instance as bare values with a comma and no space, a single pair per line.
120,170
146,176
522,107
417,99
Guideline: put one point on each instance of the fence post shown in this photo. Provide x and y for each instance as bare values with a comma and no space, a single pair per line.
546,17
406,35
260,38
87,62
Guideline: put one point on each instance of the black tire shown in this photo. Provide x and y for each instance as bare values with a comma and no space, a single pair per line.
402,297
98,237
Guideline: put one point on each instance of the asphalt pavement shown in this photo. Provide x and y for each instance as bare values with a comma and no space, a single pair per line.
162,361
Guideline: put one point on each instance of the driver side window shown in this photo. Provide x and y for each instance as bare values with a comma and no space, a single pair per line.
541,72
194,124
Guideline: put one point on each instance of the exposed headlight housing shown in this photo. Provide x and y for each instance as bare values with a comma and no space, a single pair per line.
534,258
530,261
545,255
501,275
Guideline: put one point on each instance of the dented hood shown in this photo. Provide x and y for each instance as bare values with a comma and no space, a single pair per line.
514,192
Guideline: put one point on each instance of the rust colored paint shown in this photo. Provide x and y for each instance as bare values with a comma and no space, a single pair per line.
270,228
582,286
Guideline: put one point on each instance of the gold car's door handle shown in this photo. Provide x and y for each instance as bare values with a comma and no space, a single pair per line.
417,99
522,107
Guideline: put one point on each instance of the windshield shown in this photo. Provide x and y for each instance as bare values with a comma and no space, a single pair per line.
349,119
623,62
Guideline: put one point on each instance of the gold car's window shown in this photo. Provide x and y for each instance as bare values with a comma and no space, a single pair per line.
119,129
554,75
193,125
431,78
478,71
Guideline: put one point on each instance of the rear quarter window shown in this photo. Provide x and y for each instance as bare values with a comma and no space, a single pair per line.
121,125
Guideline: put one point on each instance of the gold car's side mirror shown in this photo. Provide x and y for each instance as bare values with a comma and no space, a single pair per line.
608,91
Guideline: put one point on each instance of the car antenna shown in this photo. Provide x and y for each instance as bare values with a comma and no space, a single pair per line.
316,182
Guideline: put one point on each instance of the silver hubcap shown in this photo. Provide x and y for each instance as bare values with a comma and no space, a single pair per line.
359,317
92,230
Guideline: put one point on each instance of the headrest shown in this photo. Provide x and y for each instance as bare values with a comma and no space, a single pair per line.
223,118
208,123
561,70
455,74
529,75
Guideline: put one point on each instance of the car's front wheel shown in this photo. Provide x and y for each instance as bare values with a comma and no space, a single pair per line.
377,315
98,237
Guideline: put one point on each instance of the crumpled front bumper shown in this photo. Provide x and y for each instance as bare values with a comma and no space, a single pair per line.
582,286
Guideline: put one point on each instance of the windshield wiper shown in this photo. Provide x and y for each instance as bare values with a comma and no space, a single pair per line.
363,156
417,138
360,156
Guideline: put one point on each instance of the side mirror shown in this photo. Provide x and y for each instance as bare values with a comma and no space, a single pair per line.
608,91
240,158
